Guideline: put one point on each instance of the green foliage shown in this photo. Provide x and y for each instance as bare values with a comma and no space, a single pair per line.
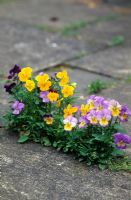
92,144
96,86
23,138
121,163
71,29
117,40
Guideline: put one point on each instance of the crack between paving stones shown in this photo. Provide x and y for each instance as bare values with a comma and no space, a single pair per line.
64,64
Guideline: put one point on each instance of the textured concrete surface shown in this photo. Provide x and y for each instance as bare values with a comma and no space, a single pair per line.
32,172
25,45
41,11
115,62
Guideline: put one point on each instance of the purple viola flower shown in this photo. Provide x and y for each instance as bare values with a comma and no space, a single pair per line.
8,87
15,70
17,107
121,140
125,113
92,117
44,97
83,121
104,117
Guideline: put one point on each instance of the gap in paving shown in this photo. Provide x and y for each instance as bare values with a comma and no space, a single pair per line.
81,76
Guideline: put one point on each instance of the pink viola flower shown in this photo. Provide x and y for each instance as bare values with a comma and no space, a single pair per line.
121,140
83,121
17,107
104,116
125,113
44,97
92,117
69,123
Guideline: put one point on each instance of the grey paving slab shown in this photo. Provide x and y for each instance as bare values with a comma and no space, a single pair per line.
115,62
33,172
25,45
104,30
40,11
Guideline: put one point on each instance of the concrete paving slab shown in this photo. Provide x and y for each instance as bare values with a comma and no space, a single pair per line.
103,31
114,62
25,45
33,172
41,11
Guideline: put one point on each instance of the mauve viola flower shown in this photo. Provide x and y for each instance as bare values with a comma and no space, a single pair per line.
44,97
9,87
104,117
69,123
121,140
17,107
15,70
125,113
41,73
83,121
92,117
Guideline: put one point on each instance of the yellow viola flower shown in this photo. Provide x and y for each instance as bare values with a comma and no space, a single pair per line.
25,74
42,77
68,127
62,74
67,91
43,82
53,96
48,120
44,86
64,81
69,110
84,109
29,85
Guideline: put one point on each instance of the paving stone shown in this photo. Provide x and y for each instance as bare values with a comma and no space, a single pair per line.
115,62
103,31
33,172
25,45
40,11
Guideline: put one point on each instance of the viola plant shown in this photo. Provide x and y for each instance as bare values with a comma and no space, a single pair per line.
43,109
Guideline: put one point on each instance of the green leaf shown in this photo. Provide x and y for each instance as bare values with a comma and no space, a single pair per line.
23,138
119,128
102,167
118,40
46,141
118,152
55,144
102,138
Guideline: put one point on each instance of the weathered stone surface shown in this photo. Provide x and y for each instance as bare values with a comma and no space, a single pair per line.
32,172
115,62
103,31
26,45
40,11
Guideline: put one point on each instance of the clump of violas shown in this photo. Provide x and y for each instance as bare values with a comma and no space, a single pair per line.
44,109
